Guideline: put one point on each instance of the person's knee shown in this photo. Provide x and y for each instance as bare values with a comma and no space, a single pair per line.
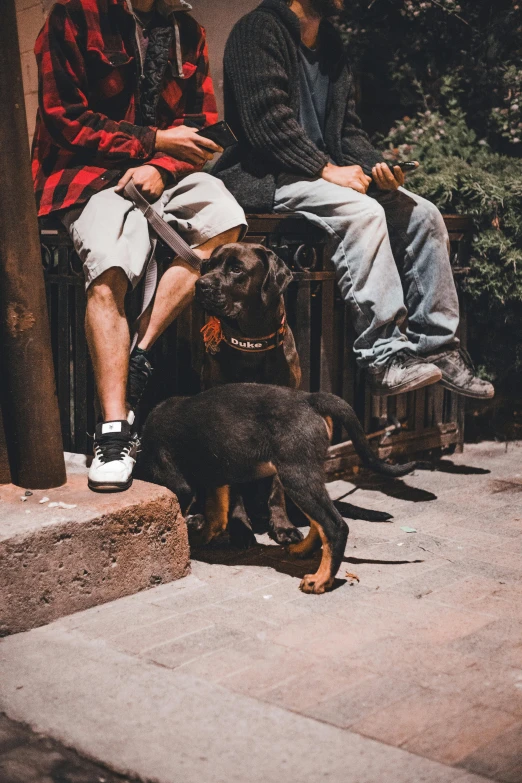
369,217
226,237
373,213
109,288
375,209
232,235
430,215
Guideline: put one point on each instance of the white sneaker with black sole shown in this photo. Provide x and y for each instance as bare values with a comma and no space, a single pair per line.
115,450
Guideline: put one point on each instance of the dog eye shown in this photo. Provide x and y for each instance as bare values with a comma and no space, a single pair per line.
235,268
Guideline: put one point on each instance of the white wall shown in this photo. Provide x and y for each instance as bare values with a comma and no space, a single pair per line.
218,17
30,16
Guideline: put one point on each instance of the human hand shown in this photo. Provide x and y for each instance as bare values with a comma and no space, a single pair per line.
147,179
385,180
347,176
184,143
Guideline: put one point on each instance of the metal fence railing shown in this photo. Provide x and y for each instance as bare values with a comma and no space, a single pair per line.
432,419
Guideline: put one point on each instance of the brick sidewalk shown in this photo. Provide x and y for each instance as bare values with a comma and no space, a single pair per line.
424,654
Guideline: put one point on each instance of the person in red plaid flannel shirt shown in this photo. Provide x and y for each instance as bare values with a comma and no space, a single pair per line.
124,86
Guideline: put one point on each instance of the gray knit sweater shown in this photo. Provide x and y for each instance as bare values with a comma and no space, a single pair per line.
262,107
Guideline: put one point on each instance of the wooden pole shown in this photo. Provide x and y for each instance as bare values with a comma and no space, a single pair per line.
5,471
29,402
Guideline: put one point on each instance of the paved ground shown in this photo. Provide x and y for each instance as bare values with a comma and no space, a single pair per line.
231,674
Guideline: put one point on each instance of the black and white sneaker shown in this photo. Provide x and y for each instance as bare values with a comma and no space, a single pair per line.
140,371
115,450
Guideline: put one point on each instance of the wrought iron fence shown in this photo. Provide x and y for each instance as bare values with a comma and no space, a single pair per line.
431,419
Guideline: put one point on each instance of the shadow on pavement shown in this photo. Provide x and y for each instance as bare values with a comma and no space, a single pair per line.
276,557
447,466
395,488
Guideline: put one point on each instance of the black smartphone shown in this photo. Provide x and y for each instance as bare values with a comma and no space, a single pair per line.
408,165
220,133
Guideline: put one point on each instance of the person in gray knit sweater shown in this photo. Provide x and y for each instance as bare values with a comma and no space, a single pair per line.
290,99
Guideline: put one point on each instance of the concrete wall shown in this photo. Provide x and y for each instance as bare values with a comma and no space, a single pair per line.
30,18
217,16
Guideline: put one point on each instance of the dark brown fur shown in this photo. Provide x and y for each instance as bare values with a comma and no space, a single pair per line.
233,434
243,285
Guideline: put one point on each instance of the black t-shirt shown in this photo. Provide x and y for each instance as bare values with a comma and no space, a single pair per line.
314,83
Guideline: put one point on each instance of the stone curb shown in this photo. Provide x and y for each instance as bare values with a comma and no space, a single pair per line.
88,549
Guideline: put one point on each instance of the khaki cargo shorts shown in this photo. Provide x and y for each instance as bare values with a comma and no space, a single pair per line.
111,232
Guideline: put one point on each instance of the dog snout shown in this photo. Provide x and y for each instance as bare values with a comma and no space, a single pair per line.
204,285
207,291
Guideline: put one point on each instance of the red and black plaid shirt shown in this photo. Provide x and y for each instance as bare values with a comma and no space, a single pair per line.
86,134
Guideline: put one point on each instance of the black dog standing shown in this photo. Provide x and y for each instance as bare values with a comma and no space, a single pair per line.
241,432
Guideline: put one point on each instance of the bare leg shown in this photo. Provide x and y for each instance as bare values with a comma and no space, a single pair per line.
175,292
109,341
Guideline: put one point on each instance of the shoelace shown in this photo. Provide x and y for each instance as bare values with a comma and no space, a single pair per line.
466,359
462,358
405,358
113,447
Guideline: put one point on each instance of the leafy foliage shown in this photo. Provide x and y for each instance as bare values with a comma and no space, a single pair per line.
406,49
441,82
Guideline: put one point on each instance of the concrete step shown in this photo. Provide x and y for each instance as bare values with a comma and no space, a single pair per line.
88,549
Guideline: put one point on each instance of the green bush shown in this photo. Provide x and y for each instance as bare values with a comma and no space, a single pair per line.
441,82
461,174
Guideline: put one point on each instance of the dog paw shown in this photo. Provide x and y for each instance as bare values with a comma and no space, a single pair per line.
198,530
286,535
195,523
311,583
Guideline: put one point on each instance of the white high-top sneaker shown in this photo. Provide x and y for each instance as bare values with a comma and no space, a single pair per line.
115,449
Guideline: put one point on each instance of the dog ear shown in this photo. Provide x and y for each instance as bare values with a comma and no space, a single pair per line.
205,263
203,269
278,276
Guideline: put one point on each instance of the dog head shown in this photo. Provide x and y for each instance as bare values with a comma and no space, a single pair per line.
238,277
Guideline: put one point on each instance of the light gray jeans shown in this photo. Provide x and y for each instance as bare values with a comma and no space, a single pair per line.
391,254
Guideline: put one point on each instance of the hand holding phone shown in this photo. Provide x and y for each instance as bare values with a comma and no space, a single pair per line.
184,143
220,133
391,177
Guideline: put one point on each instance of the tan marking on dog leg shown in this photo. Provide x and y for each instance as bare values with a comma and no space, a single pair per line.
217,507
323,579
329,426
265,469
308,546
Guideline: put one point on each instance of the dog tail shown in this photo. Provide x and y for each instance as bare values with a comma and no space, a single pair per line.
339,410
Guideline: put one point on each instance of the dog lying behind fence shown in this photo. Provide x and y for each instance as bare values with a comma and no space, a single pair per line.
244,431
